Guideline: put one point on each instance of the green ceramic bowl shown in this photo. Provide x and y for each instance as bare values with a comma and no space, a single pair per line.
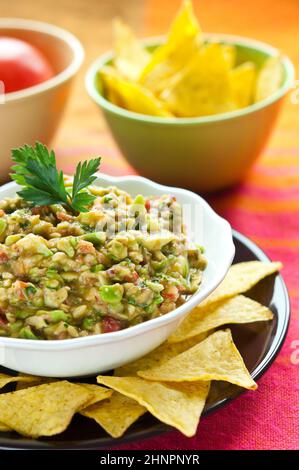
204,153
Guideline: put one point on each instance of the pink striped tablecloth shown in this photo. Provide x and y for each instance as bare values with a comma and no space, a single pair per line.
264,207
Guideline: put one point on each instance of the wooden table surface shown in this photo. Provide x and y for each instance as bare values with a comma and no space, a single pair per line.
274,21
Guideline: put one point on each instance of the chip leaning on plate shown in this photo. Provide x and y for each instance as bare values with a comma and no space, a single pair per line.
172,382
186,76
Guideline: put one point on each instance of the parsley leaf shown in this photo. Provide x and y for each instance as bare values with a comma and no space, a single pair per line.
43,184
83,178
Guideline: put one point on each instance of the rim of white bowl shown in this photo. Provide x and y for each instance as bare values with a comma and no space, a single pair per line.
72,41
271,51
148,325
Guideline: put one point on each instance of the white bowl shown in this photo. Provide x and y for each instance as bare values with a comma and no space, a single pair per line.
34,113
99,353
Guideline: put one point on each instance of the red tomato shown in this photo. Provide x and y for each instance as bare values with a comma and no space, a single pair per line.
22,65
3,257
110,324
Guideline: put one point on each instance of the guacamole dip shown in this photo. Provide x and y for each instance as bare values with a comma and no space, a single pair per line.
65,275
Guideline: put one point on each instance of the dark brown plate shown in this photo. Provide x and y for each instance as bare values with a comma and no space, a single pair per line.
259,344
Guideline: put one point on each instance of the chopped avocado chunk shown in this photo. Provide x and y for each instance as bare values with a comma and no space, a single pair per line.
74,241
57,316
26,333
112,294
96,238
117,250
3,226
160,265
158,299
154,286
64,244
107,199
22,314
43,250
87,323
139,200
11,239
16,326
97,268
53,274
201,248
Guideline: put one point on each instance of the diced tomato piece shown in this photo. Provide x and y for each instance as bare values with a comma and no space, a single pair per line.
2,213
110,324
3,257
169,296
63,216
148,205
170,293
20,289
85,247
132,277
22,284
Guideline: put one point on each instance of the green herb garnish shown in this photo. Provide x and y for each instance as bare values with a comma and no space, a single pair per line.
43,184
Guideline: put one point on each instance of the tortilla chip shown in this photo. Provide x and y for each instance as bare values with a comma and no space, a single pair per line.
130,55
6,379
34,383
269,78
157,357
181,45
44,410
242,82
230,54
240,278
215,358
99,393
177,405
116,414
4,428
239,309
131,96
203,87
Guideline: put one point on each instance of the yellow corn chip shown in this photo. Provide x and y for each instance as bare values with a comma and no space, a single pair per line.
181,45
116,414
238,309
215,358
203,87
269,78
230,53
6,379
157,357
242,81
4,428
130,55
99,393
44,410
240,278
131,96
177,405
34,383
